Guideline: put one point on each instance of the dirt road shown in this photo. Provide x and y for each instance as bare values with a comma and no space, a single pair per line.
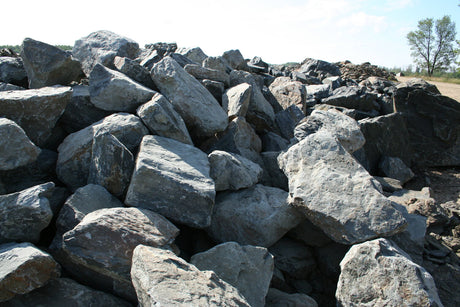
447,89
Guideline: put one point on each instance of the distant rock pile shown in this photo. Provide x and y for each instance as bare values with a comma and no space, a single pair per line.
164,176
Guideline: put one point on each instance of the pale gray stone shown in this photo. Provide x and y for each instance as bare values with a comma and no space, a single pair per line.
277,298
24,268
162,119
336,193
172,178
201,73
162,278
247,268
36,110
236,100
233,172
257,216
24,214
199,109
394,167
379,273
16,149
195,54
217,63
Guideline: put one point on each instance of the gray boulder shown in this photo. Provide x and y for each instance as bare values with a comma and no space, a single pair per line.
194,54
112,164
336,193
36,111
16,149
24,214
172,178
24,268
353,97
235,59
395,279
48,65
12,71
257,216
273,142
162,278
236,100
277,298
319,68
288,119
334,82
316,92
272,175
99,249
60,292
162,119
85,200
201,73
200,110
216,88
9,87
102,47
394,167
248,268
134,70
75,151
232,171
217,63
419,83
113,91
288,92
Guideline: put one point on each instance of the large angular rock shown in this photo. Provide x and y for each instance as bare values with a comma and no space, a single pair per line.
288,92
200,110
316,92
162,119
162,278
353,97
102,47
48,65
60,292
24,214
85,200
172,178
236,100
195,54
288,119
319,68
75,152
99,249
235,59
113,91
257,216
16,149
24,268
433,125
247,268
217,63
12,71
232,171
336,193
36,111
379,273
272,175
201,73
112,164
134,70
395,168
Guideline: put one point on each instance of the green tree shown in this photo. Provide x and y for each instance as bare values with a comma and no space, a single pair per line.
432,44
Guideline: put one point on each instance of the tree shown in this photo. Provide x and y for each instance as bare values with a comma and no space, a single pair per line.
432,48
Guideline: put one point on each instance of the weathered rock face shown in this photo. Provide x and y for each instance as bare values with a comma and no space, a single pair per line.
288,92
256,216
276,297
335,192
12,71
235,59
24,268
24,214
363,71
36,111
134,70
201,73
395,168
200,110
319,68
247,268
172,178
162,278
194,54
236,100
288,119
48,65
16,149
353,97
9,87
395,279
102,47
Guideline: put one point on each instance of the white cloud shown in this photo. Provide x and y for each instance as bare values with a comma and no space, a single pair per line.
360,21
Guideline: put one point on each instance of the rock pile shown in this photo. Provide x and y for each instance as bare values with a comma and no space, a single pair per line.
363,71
163,176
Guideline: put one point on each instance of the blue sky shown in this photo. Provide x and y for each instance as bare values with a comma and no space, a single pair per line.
278,31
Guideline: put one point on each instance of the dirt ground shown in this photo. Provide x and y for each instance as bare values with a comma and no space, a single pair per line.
447,89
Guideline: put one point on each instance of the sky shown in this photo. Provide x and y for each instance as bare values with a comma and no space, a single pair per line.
278,31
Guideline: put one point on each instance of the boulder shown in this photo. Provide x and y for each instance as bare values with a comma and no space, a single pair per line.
85,200
99,249
102,47
259,216
419,83
162,119
394,167
200,110
24,214
112,164
162,278
336,193
216,88
319,68
235,59
316,92
288,119
334,82
236,100
12,71
60,292
111,90
151,59
48,65
288,92
217,63
248,268
75,152
353,97
24,268
379,273
272,175
134,70
433,124
194,54
233,172
9,87
273,142
181,60
36,110
16,149
276,298
201,73
172,178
